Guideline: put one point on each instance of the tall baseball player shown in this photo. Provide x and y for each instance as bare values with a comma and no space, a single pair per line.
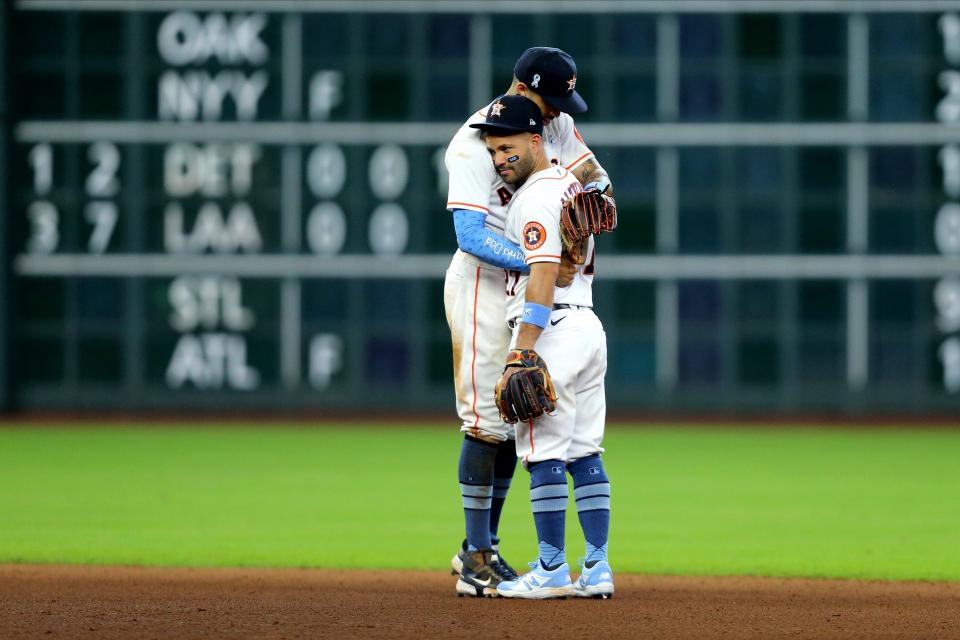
475,305
560,413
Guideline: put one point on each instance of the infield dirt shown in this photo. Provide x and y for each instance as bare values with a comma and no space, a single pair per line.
54,601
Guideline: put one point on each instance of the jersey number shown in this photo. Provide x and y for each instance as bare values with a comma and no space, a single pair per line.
505,195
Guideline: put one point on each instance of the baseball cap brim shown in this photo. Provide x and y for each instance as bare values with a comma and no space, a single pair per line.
499,127
572,103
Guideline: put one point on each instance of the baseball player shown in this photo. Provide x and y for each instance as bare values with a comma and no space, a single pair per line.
556,326
475,305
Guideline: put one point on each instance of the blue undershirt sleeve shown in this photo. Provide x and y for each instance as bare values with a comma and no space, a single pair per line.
474,238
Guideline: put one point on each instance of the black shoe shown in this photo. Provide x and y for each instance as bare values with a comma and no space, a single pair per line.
508,570
456,562
482,572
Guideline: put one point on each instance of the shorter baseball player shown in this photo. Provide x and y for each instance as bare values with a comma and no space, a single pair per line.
561,325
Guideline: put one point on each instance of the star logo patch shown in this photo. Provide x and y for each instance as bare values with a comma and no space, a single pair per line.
534,235
496,108
571,83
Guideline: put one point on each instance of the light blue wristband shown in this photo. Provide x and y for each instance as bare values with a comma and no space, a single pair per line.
597,185
536,314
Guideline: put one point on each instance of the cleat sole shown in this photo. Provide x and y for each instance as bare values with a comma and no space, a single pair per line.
465,589
559,593
595,593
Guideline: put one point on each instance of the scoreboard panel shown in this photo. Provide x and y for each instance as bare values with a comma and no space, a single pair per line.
242,204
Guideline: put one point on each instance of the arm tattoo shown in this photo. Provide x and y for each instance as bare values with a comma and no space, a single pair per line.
591,171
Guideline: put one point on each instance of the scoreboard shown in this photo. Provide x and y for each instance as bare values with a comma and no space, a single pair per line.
240,205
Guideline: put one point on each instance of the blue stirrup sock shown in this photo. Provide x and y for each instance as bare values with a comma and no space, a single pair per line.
591,489
476,487
503,468
548,497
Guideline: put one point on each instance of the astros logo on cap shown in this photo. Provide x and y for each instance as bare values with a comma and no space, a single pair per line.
496,108
534,235
571,83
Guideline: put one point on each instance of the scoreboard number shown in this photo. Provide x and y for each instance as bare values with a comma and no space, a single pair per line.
949,158
948,110
389,230
326,171
389,172
41,161
947,229
949,24
326,229
326,359
44,228
103,216
102,181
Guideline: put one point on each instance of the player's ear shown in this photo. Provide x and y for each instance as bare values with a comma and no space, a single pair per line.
535,141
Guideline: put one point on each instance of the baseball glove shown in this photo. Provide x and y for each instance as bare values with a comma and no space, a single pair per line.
587,213
526,392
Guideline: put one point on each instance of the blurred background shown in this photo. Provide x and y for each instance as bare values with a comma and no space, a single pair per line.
241,205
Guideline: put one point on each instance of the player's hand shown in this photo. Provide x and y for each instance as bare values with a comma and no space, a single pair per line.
588,213
568,269
504,379
525,390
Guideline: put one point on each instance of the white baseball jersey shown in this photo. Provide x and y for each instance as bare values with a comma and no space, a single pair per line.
473,290
573,343
533,222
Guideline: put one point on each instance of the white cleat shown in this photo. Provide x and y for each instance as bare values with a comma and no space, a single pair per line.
539,584
595,582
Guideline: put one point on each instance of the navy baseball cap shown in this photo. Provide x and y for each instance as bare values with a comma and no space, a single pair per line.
552,73
512,114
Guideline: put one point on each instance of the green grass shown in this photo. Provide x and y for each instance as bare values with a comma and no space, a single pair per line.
693,501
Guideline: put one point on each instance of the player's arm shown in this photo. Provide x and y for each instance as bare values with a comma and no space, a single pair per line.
541,245
577,157
475,238
538,303
471,175
596,210
592,176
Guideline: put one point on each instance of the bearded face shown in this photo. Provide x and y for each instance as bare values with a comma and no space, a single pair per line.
514,156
